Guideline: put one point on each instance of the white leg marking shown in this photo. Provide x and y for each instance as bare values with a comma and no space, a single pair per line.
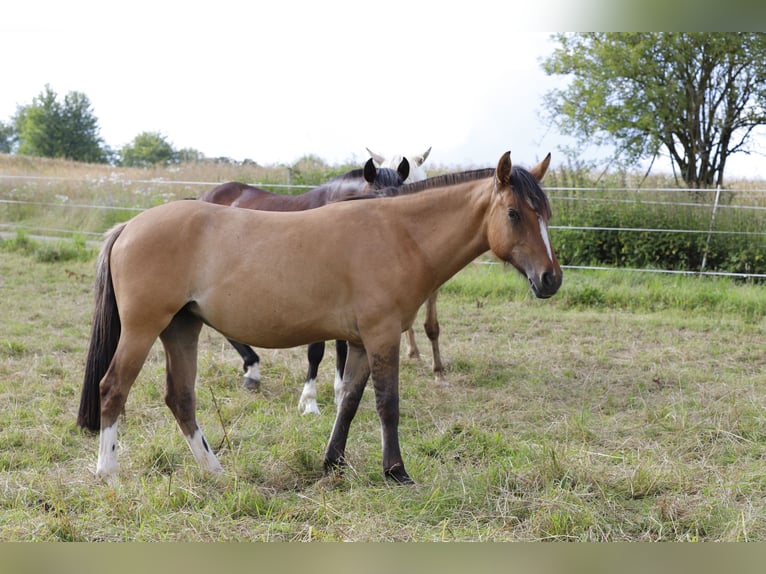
338,386
308,401
254,373
107,466
202,453
546,239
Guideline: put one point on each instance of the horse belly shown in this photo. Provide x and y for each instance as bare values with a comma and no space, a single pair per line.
269,306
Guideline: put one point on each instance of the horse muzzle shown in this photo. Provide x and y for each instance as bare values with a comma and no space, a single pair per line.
546,284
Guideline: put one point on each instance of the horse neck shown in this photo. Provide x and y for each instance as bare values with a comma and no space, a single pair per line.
449,224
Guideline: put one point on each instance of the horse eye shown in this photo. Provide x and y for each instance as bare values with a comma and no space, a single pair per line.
513,214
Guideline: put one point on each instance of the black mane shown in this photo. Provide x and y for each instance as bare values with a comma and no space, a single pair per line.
523,183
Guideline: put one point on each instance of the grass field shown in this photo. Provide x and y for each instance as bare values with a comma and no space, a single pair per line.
628,407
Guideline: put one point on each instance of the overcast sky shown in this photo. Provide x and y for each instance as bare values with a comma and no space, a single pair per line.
273,81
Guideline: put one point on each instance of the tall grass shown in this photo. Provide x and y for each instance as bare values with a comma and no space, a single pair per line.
89,199
620,291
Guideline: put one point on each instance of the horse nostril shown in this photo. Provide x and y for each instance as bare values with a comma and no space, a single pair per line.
550,281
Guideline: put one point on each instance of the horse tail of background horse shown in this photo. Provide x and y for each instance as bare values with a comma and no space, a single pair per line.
105,334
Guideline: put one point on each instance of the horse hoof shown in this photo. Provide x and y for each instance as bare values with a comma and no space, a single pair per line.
251,384
334,466
308,408
398,474
440,379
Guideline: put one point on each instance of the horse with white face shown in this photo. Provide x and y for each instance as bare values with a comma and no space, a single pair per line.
417,173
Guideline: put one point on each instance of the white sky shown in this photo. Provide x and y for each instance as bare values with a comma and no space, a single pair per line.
275,80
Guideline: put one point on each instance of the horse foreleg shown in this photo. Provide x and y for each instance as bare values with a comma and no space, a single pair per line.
341,352
308,401
432,332
385,379
180,340
355,375
251,364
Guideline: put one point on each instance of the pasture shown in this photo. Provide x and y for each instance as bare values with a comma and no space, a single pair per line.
627,407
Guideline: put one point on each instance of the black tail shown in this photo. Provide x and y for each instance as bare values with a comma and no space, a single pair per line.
105,334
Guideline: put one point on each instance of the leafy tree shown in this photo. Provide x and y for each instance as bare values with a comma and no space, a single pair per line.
698,96
147,149
7,137
189,155
68,129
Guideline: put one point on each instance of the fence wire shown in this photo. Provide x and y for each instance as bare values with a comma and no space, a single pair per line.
50,232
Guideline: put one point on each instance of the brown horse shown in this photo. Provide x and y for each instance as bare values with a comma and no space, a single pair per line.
369,180
167,272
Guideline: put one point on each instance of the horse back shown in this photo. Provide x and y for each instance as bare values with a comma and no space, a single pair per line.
237,194
319,266
227,193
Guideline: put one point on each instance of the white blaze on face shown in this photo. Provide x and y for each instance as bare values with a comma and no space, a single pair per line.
546,239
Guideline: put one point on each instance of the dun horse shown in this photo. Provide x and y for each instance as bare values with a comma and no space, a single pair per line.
167,272
356,183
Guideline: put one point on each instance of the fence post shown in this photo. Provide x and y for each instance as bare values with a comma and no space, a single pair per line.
712,225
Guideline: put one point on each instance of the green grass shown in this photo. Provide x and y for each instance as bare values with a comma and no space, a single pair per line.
48,250
628,407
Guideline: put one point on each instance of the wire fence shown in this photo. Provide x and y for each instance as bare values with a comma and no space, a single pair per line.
746,201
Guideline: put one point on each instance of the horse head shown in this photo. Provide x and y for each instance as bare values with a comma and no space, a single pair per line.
518,225
417,173
385,178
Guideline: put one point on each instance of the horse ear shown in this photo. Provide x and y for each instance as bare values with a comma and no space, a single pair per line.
420,159
503,172
370,171
404,169
379,159
541,168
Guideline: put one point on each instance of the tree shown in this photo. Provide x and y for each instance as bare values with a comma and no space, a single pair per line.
7,137
147,149
50,128
189,155
697,96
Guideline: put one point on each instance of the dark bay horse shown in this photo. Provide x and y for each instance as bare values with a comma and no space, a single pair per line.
356,183
167,272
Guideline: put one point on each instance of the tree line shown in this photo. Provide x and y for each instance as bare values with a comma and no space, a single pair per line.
696,98
68,128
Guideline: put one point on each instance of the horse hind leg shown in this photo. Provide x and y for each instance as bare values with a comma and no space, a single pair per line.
431,327
412,346
180,340
341,353
307,404
129,357
251,363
